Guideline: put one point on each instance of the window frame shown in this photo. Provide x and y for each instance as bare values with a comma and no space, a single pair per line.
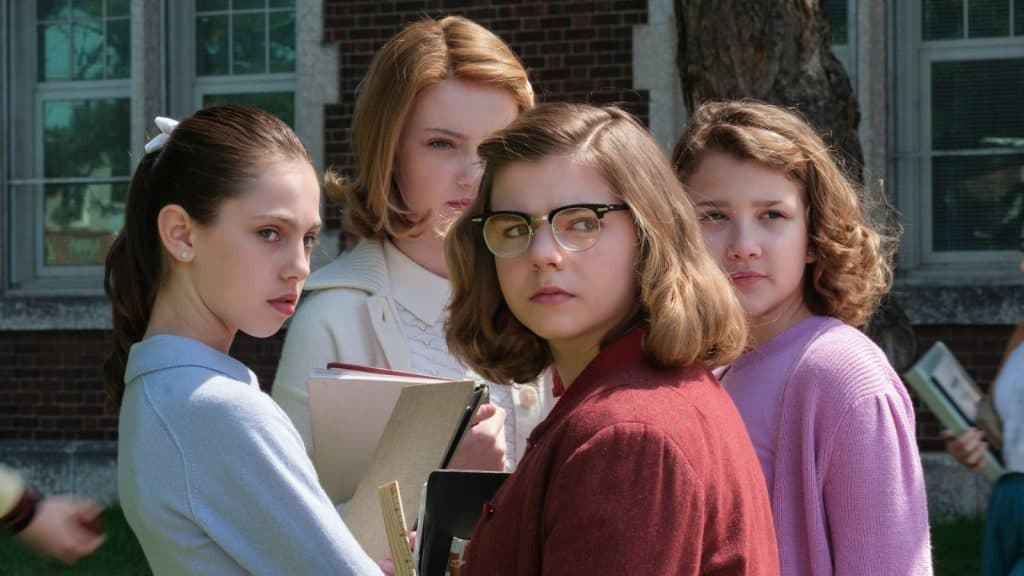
910,154
77,301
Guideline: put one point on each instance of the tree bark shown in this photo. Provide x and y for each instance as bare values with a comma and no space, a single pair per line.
780,51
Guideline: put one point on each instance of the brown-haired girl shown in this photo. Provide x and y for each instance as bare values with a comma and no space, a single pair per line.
831,422
582,254
433,92
221,216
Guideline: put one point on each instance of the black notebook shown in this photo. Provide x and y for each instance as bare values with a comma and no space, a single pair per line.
451,506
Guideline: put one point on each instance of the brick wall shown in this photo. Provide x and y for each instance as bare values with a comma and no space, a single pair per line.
52,382
979,349
575,51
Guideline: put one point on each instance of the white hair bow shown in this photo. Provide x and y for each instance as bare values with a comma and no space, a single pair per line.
166,126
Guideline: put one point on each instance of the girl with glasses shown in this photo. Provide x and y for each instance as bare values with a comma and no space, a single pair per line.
581,254
832,423
434,91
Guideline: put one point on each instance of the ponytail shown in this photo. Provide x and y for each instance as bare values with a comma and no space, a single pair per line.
131,276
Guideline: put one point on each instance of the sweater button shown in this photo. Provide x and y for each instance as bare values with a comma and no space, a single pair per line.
527,397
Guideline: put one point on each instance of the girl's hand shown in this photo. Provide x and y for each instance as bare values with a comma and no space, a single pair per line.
64,528
387,565
483,444
969,448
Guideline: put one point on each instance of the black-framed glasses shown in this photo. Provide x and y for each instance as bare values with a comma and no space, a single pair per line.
576,227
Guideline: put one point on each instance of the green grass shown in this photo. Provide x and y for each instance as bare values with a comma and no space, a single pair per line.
119,555
956,547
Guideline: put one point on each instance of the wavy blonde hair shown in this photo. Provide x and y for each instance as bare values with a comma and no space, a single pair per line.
853,270
423,54
685,298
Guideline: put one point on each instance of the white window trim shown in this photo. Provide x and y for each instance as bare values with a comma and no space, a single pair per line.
911,156
67,305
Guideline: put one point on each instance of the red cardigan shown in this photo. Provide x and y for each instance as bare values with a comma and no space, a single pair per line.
635,471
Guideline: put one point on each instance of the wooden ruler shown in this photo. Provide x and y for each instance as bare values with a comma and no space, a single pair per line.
394,526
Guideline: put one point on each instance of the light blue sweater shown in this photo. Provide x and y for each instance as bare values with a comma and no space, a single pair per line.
213,477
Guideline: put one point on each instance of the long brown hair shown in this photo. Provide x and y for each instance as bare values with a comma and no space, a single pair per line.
421,55
853,270
685,298
207,159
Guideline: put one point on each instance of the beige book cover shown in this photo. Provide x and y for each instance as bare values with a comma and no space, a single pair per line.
349,407
424,421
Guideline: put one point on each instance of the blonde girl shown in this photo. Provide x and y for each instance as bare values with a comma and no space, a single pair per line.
433,92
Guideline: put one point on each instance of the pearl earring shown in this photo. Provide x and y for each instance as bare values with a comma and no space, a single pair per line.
185,255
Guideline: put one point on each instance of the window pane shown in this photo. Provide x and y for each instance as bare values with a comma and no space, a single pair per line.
118,49
118,8
249,48
87,8
211,45
836,14
280,104
81,221
282,42
976,103
978,202
54,52
988,18
86,138
942,19
87,49
248,4
51,9
282,3
1018,17
206,5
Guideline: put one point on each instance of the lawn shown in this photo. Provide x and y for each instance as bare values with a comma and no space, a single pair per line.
956,545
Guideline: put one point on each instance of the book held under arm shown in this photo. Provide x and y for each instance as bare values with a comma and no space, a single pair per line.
371,426
945,387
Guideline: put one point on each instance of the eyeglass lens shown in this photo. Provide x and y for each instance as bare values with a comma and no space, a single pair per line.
509,235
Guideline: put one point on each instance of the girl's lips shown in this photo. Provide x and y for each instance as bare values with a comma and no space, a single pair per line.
460,204
744,279
285,306
550,296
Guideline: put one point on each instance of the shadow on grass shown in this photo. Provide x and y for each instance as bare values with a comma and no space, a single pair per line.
119,555
956,547
956,551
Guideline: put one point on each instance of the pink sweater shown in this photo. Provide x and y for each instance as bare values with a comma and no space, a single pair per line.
849,495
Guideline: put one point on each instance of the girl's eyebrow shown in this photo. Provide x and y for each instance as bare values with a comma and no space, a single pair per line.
285,219
445,131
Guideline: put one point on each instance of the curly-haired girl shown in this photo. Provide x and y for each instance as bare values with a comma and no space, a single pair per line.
830,420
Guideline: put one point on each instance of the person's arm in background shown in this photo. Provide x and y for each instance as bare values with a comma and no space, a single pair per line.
970,447
62,527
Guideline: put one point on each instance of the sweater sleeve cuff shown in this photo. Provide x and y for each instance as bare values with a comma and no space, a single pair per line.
22,514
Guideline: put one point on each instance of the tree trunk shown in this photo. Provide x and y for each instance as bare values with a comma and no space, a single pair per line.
779,51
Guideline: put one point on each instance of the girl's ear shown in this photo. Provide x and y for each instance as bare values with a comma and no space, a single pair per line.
175,228
811,256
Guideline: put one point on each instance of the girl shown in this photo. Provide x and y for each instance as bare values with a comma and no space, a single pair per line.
831,422
221,216
1004,522
432,93
582,254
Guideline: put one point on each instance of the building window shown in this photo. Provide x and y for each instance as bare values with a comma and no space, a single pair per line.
69,134
69,130
841,16
961,135
242,52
